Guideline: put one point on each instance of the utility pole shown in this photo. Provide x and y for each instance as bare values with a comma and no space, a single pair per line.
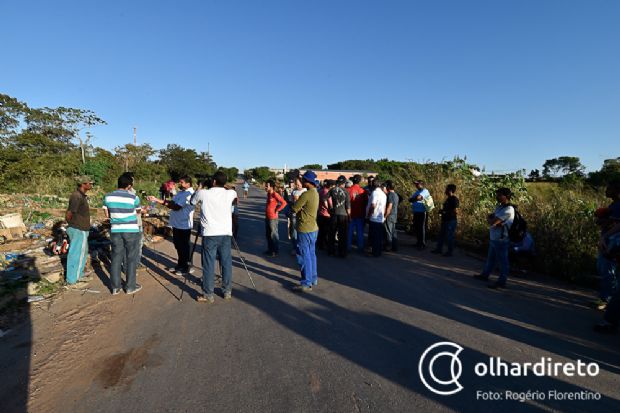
135,141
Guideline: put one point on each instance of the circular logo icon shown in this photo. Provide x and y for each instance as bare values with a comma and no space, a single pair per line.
426,368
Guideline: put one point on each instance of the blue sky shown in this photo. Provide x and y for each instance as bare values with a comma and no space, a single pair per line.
506,83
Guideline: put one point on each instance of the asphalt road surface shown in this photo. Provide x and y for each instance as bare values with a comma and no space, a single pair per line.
352,345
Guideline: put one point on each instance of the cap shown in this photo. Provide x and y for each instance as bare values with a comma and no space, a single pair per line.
83,179
309,176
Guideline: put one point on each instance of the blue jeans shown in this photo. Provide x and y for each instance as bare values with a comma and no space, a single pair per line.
356,224
607,271
498,254
273,237
212,248
446,234
306,257
375,237
125,249
78,250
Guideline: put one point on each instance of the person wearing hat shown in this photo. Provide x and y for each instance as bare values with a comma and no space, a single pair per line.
306,209
340,214
78,218
499,225
420,213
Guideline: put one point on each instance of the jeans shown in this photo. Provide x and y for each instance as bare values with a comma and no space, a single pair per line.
390,234
606,268
446,234
498,253
323,237
292,229
356,224
125,248
306,257
419,228
181,239
338,225
375,237
271,232
212,248
78,250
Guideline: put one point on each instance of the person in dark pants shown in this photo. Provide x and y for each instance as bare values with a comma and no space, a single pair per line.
340,214
275,204
448,222
391,216
182,222
120,206
420,213
375,213
323,217
78,218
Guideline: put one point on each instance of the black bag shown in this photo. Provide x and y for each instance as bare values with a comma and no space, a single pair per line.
517,230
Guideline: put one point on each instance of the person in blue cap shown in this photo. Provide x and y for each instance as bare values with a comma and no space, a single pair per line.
306,209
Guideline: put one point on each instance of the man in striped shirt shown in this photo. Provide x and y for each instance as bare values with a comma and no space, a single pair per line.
120,206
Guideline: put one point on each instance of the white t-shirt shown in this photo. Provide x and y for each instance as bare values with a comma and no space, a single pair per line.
378,199
184,217
215,210
506,214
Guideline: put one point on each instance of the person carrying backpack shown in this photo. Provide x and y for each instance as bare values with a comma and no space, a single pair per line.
500,223
340,213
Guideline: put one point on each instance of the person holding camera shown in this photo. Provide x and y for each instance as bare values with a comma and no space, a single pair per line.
182,222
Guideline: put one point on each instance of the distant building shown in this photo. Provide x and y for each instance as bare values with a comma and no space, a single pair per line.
334,174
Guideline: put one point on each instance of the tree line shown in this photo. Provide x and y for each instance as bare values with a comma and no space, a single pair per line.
42,149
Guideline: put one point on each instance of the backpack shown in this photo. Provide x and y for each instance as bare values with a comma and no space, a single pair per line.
517,230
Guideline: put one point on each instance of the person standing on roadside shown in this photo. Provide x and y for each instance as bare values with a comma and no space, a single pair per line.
120,206
359,200
216,221
182,222
391,216
78,218
246,188
275,204
297,190
448,221
420,214
323,217
340,214
499,225
306,209
376,215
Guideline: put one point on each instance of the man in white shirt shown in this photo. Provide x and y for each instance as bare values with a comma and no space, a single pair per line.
182,222
500,222
375,212
217,230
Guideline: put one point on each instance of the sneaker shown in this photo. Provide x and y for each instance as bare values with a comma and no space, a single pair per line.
187,271
315,283
496,286
135,290
116,291
228,296
302,288
174,270
606,328
204,298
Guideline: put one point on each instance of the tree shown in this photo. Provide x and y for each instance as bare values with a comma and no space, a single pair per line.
564,165
610,171
231,173
261,173
312,166
534,174
354,164
180,161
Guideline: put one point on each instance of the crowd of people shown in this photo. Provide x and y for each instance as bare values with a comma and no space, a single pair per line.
329,215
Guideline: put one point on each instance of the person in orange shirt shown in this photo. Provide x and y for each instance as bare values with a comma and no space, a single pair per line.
275,204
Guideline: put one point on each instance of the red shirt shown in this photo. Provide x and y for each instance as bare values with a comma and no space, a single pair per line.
323,209
272,208
359,199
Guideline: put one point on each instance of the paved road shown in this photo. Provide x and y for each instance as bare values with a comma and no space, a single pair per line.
352,345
